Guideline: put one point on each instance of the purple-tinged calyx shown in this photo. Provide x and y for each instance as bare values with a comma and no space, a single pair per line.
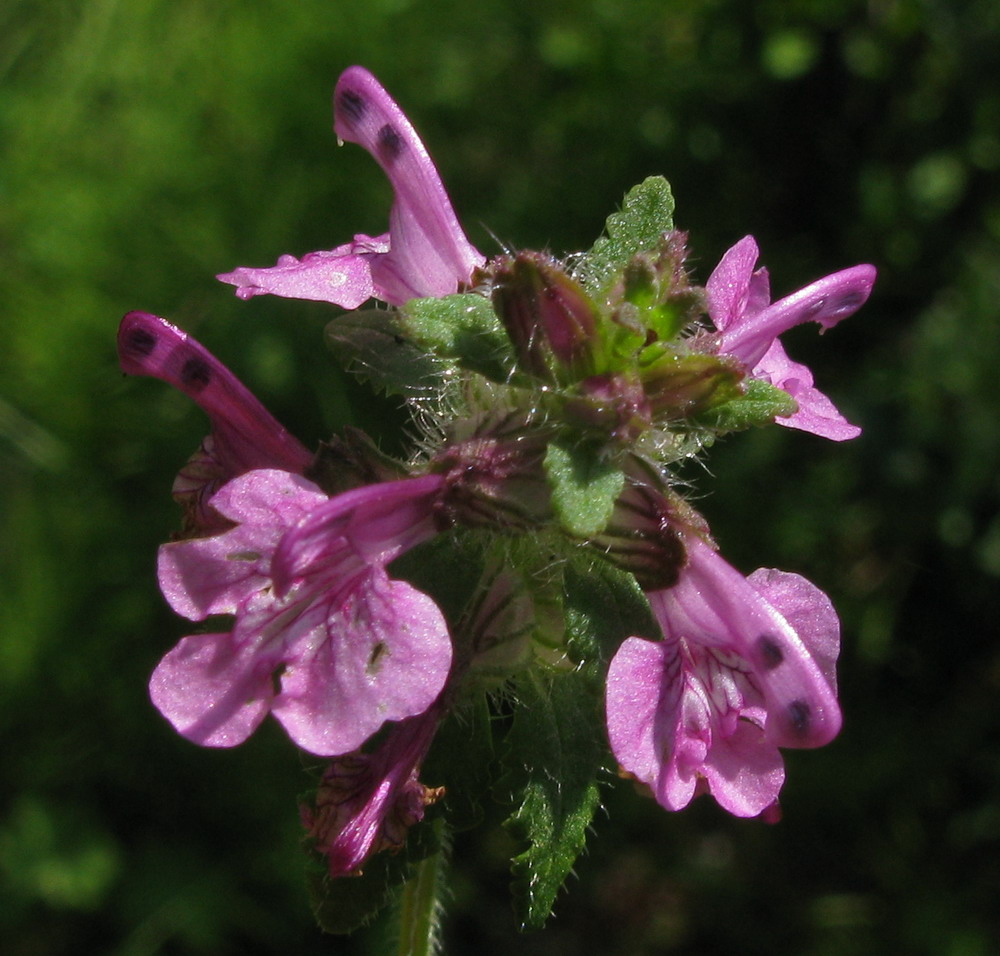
644,535
746,665
366,802
739,303
495,478
244,434
323,638
551,321
425,252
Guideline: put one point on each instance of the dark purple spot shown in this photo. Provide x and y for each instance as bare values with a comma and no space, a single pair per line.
390,143
353,104
195,374
800,715
813,309
849,303
771,654
139,342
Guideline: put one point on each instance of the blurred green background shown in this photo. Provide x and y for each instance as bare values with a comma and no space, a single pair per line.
147,145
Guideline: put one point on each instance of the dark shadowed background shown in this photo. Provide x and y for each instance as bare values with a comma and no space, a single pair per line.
146,146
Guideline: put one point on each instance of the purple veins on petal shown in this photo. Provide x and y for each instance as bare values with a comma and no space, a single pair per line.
424,253
746,666
350,647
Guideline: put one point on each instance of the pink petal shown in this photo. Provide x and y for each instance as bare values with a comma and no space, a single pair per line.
383,654
808,611
246,435
341,276
368,525
212,689
816,413
744,771
429,254
636,693
727,289
826,301
215,575
715,606
663,730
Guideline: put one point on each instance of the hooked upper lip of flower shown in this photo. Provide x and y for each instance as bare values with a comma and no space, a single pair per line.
244,434
746,665
739,303
424,253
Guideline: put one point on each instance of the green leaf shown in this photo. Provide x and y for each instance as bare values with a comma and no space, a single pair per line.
462,760
554,754
374,343
647,212
604,605
758,406
463,328
584,487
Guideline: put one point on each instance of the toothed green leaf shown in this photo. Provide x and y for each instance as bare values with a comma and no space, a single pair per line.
461,328
758,406
375,344
554,754
584,487
647,212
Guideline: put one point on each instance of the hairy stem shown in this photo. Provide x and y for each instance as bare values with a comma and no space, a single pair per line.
421,907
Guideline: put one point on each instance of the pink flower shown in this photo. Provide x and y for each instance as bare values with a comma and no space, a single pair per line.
366,803
244,434
746,665
425,252
322,638
739,302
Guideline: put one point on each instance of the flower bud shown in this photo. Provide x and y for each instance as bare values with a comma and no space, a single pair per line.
613,405
643,536
494,480
550,319
680,386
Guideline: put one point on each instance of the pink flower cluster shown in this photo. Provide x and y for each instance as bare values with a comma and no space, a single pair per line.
325,640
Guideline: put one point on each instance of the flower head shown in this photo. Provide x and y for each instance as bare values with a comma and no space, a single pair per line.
424,253
746,665
315,614
244,434
739,303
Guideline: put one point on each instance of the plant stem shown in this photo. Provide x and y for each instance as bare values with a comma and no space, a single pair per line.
420,907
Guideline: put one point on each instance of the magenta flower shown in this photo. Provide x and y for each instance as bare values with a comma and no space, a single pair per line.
739,302
315,614
244,434
425,252
366,803
746,665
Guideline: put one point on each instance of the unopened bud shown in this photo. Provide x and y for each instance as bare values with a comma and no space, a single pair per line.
680,386
550,319
643,536
494,481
